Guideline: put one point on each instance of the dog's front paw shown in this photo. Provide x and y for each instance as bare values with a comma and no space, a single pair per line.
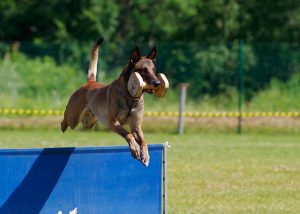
134,149
145,157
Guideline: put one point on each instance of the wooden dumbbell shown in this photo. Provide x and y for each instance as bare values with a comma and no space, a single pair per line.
136,85
162,89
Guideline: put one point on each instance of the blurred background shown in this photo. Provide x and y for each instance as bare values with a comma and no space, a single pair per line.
240,59
235,55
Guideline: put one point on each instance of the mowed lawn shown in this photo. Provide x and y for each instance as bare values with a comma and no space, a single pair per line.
207,172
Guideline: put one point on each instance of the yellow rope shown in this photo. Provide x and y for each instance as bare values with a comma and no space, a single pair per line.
43,112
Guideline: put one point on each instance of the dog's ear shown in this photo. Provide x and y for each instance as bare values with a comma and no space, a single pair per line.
135,55
153,54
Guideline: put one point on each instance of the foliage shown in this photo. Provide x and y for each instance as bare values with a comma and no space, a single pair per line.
279,96
39,81
210,70
143,21
198,41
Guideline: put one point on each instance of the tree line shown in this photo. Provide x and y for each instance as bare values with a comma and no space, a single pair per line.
198,40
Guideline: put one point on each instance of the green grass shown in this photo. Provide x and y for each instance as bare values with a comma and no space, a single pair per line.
207,172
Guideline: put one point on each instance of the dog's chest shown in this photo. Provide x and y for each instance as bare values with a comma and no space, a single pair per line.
127,109
123,115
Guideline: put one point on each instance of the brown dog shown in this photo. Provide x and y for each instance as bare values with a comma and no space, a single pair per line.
112,104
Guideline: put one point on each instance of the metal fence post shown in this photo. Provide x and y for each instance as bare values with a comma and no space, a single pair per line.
241,86
182,101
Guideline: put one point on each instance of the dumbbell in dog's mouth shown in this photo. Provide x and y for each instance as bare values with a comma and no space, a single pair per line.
151,87
157,85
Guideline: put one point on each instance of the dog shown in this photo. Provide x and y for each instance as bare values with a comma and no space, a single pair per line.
112,104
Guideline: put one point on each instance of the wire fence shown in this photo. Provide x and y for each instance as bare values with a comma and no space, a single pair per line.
245,79
210,69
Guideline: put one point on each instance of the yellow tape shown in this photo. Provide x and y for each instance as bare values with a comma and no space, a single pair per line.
43,112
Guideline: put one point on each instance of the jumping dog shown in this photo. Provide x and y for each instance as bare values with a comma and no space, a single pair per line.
112,104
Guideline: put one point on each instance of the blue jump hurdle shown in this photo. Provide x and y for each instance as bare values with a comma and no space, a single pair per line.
84,180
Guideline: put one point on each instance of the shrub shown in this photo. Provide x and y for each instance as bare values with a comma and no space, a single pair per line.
38,82
279,96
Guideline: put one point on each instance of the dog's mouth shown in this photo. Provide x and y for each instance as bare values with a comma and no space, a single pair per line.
149,91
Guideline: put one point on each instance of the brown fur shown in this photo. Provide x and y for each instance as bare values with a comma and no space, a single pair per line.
112,104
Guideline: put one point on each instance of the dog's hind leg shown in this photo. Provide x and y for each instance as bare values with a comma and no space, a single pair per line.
74,110
63,125
88,119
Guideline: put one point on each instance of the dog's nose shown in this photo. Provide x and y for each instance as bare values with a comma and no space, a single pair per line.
156,83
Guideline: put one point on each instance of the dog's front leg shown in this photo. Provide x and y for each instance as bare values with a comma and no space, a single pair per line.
139,137
133,145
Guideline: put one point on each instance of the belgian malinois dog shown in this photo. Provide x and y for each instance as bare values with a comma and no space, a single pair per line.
112,104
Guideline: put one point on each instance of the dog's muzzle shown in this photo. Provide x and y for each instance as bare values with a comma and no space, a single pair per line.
155,84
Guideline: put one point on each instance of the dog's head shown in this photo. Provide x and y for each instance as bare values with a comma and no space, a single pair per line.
145,66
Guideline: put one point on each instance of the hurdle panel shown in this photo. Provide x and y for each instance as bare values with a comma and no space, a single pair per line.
87,179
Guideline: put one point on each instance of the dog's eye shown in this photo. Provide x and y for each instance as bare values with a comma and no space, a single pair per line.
144,70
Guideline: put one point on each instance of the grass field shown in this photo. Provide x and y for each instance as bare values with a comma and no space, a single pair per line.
207,172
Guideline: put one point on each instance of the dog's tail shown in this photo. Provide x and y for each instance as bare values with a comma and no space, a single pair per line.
91,76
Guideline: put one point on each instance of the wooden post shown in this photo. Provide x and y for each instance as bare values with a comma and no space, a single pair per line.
182,101
241,87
